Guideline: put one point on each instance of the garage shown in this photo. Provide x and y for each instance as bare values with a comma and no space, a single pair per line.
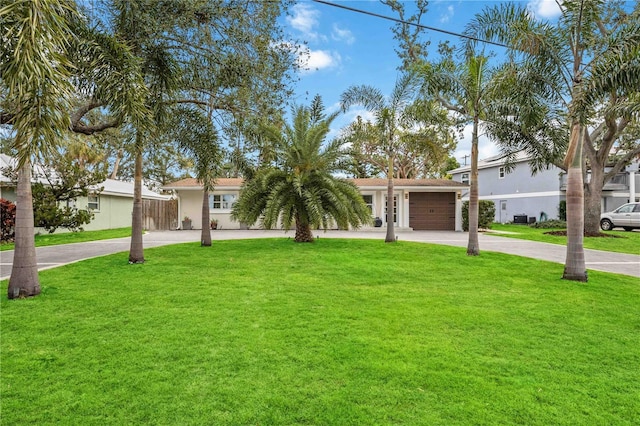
432,211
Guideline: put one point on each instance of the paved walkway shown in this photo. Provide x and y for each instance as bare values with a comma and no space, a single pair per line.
52,256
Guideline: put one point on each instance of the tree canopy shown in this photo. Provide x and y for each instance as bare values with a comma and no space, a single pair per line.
303,190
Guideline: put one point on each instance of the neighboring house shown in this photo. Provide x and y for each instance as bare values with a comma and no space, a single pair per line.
517,192
8,187
112,206
420,204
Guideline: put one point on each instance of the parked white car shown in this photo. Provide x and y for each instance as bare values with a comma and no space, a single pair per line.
626,216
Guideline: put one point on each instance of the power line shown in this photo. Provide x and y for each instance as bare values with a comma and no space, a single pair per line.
400,21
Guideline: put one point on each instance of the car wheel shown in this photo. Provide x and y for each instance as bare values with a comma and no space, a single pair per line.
606,225
628,229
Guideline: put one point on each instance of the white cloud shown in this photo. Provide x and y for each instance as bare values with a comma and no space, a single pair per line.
353,113
446,17
544,9
314,60
304,18
340,34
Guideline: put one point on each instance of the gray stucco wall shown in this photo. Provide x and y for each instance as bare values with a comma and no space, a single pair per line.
518,192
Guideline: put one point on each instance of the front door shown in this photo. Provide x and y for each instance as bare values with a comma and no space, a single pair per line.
503,211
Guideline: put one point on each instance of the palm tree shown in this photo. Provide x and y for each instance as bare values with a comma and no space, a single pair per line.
303,190
49,56
390,115
465,89
195,133
35,73
587,66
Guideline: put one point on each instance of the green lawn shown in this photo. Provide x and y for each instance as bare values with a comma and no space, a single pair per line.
332,333
622,241
74,237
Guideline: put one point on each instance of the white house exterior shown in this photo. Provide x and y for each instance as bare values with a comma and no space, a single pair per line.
420,204
520,193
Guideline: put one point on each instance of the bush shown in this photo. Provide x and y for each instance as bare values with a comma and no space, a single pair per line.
548,224
562,210
486,214
8,218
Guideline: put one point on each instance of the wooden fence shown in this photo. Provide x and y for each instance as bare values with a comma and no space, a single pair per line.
159,215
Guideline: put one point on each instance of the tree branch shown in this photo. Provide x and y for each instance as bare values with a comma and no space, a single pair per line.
90,130
621,163
5,117
450,106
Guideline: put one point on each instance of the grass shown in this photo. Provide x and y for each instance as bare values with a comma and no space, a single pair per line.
74,237
626,242
331,333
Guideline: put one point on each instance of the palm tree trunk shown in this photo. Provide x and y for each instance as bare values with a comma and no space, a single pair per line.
205,236
473,246
303,231
390,237
24,272
136,252
574,267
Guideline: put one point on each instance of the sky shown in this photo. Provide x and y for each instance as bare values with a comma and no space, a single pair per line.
348,48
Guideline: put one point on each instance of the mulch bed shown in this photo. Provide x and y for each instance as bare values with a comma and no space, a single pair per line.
586,234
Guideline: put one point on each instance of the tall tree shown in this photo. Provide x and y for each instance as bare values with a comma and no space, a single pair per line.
583,75
202,54
35,74
303,190
391,118
195,133
464,88
53,71
423,147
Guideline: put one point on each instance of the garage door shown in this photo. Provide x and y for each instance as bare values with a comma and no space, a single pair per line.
431,211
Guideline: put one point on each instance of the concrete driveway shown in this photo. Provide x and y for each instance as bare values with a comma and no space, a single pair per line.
52,256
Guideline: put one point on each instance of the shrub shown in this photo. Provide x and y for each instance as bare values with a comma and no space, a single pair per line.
8,218
486,214
547,224
562,210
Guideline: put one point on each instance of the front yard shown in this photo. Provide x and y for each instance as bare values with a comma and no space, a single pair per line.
334,332
618,240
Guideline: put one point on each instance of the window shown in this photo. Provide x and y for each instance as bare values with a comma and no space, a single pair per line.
625,209
465,178
93,202
222,201
368,200
501,173
395,209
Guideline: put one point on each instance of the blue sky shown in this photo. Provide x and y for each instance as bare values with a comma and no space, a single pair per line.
348,48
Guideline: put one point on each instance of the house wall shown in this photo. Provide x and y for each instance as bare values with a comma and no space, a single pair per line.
518,192
190,204
8,193
114,212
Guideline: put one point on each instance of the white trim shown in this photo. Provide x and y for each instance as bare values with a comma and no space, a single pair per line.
521,195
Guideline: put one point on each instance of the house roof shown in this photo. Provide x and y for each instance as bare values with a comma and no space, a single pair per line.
495,161
408,183
191,183
119,188
111,187
7,161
